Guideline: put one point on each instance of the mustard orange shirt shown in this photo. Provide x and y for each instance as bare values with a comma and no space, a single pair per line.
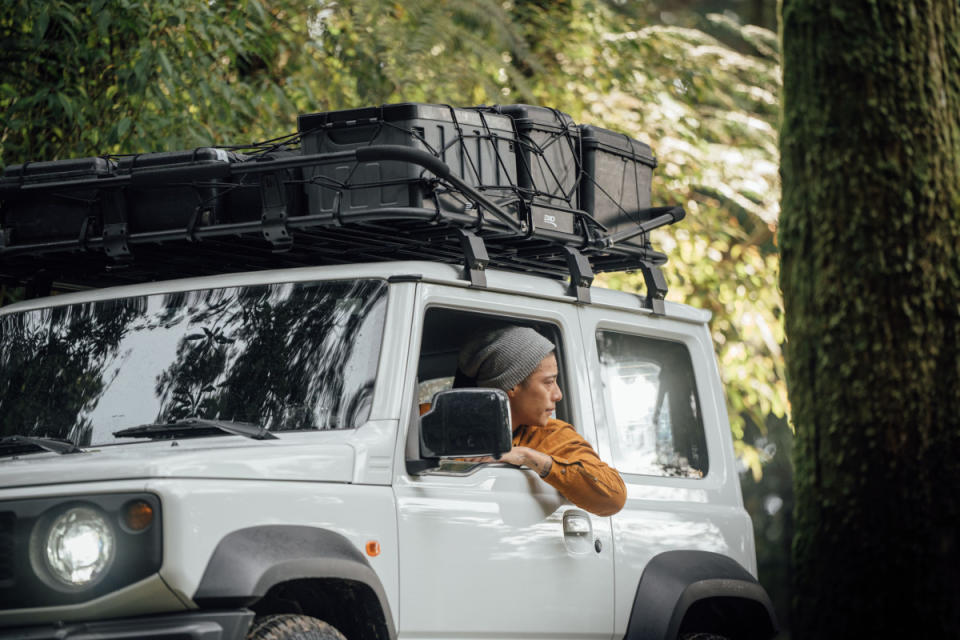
577,472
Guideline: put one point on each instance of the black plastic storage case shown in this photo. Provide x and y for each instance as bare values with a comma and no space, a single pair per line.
478,147
617,171
52,216
167,206
548,166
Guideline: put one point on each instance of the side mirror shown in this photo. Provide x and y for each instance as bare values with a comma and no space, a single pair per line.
464,423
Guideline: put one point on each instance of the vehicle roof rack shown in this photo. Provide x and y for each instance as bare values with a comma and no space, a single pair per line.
107,221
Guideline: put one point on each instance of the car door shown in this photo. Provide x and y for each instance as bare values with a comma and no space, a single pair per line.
485,553
660,412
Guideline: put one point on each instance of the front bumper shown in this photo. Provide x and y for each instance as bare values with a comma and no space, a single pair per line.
195,625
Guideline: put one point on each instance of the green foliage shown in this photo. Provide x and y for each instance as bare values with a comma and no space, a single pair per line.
118,76
110,76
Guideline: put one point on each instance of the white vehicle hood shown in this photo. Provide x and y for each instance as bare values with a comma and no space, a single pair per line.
311,457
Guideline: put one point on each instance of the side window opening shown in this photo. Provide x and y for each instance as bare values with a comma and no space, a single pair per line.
445,331
651,399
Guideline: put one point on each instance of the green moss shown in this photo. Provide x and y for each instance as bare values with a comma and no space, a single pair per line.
869,237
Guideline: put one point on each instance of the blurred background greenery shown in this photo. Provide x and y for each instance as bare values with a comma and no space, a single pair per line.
699,80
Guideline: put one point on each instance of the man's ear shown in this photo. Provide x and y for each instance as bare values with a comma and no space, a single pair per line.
512,392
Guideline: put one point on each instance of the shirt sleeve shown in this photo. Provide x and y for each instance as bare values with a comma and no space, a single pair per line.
580,475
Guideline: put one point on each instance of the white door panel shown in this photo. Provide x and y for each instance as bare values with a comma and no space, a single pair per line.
665,513
486,555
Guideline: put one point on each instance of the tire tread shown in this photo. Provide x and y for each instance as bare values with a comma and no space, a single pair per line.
292,627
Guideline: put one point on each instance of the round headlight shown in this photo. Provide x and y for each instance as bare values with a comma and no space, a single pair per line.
79,547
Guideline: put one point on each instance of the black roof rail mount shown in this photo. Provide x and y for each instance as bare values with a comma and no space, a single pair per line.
485,187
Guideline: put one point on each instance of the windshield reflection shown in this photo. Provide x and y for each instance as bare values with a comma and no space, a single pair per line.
286,356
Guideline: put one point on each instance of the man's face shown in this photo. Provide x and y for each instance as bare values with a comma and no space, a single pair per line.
533,400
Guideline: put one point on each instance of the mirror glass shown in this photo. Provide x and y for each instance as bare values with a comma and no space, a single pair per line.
466,423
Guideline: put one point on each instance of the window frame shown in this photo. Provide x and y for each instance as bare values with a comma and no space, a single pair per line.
617,448
691,329
564,409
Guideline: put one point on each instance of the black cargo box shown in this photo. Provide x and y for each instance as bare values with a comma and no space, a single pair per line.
617,171
244,198
52,216
175,204
478,147
548,167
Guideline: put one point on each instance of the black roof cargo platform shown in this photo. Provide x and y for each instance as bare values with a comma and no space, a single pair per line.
398,182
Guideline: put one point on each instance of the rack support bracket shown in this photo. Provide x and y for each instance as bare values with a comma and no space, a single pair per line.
274,219
115,231
581,275
656,288
475,256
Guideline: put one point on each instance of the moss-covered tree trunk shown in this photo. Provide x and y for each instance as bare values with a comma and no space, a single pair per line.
870,242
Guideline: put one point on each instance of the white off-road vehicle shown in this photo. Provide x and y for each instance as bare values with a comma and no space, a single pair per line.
213,431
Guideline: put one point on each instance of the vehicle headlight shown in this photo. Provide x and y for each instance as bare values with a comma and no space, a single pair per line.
76,549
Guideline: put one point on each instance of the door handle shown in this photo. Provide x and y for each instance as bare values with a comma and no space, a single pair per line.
577,531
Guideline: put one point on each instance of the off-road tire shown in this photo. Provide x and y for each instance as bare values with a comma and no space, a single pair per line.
292,627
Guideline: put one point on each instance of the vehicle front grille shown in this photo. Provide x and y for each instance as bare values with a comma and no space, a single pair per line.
7,521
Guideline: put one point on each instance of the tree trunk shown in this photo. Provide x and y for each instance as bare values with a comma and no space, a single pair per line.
870,238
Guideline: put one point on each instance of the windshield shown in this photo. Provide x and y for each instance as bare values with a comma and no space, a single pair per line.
286,356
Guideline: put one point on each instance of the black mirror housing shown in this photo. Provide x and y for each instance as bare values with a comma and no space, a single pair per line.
464,423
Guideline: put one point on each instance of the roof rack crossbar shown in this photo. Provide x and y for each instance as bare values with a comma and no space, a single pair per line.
661,216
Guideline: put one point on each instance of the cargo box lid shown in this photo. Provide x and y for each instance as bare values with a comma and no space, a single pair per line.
57,170
397,113
526,117
597,139
162,158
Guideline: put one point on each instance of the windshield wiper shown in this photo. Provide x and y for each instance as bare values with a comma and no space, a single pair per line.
195,428
11,445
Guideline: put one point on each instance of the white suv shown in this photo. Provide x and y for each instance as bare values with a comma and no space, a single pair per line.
191,528
196,444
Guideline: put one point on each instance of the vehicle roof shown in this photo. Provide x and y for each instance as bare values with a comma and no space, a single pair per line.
497,280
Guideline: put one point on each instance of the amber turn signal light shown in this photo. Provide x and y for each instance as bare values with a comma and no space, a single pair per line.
373,548
138,515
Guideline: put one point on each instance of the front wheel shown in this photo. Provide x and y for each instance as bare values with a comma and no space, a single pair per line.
292,627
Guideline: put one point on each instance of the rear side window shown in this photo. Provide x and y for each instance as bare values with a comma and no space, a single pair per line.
651,398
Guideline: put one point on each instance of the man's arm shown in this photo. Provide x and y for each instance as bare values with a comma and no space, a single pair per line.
527,457
569,464
579,474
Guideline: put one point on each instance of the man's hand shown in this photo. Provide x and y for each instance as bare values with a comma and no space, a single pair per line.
522,457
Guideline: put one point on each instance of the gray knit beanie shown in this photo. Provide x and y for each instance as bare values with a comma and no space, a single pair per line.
502,359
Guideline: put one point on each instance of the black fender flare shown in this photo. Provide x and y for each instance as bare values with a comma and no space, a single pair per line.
247,562
675,583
